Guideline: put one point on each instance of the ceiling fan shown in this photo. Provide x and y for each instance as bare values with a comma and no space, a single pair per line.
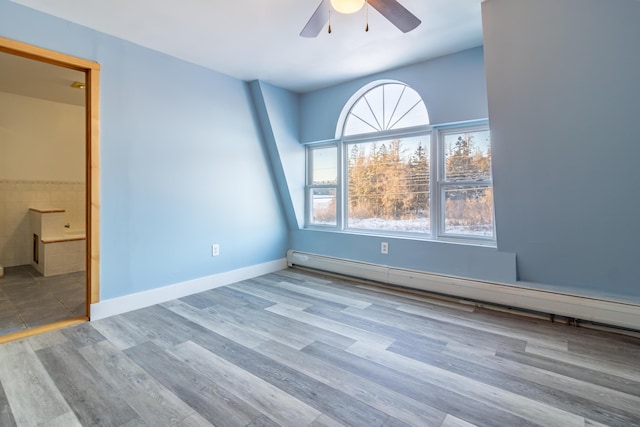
397,14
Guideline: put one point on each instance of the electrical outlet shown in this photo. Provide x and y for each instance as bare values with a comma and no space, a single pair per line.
384,248
215,249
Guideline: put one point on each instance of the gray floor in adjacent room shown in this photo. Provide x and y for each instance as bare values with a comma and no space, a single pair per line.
300,349
28,299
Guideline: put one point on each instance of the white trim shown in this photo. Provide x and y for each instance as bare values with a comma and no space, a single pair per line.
611,312
131,302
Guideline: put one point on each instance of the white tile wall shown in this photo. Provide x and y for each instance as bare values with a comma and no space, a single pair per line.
17,197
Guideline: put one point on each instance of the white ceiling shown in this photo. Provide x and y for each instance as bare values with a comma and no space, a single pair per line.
26,77
259,39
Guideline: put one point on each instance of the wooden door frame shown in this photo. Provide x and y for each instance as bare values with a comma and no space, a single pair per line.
92,161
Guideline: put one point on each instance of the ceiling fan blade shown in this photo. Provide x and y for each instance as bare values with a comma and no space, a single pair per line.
397,14
318,20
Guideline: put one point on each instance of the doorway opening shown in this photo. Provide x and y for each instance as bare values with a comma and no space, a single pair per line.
60,244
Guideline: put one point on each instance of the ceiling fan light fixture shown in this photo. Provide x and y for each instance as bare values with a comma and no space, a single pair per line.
347,6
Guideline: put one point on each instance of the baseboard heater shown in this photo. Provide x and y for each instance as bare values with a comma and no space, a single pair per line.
575,307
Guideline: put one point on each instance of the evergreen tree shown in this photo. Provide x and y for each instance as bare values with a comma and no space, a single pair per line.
458,165
419,181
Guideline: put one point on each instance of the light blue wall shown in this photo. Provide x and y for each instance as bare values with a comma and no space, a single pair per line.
453,88
563,88
482,263
182,162
278,113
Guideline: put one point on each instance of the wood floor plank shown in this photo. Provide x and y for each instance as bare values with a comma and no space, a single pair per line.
437,396
303,298
447,331
32,395
303,276
528,409
603,378
51,338
203,300
285,276
271,325
152,323
471,351
330,325
153,402
264,323
323,295
218,296
279,406
597,338
617,355
536,338
369,392
330,401
82,335
560,398
119,332
417,297
243,297
93,401
453,328
452,421
195,420
591,423
325,421
380,328
68,419
296,348
528,324
604,396
246,287
350,291
242,336
138,422
387,295
214,402
263,421
613,366
6,416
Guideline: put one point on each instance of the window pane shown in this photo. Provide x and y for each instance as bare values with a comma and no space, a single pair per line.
388,185
467,156
413,116
324,163
323,206
361,120
385,107
469,210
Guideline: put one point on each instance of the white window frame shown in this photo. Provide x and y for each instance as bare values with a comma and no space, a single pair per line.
374,137
440,184
437,182
310,186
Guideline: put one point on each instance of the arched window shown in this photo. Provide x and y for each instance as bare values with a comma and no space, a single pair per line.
386,107
394,173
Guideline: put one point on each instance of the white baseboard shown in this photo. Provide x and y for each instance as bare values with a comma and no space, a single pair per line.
131,302
600,310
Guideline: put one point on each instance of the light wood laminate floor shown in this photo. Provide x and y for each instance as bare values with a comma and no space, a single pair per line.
300,349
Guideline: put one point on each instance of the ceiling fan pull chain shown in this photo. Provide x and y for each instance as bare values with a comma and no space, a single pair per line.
366,29
329,17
